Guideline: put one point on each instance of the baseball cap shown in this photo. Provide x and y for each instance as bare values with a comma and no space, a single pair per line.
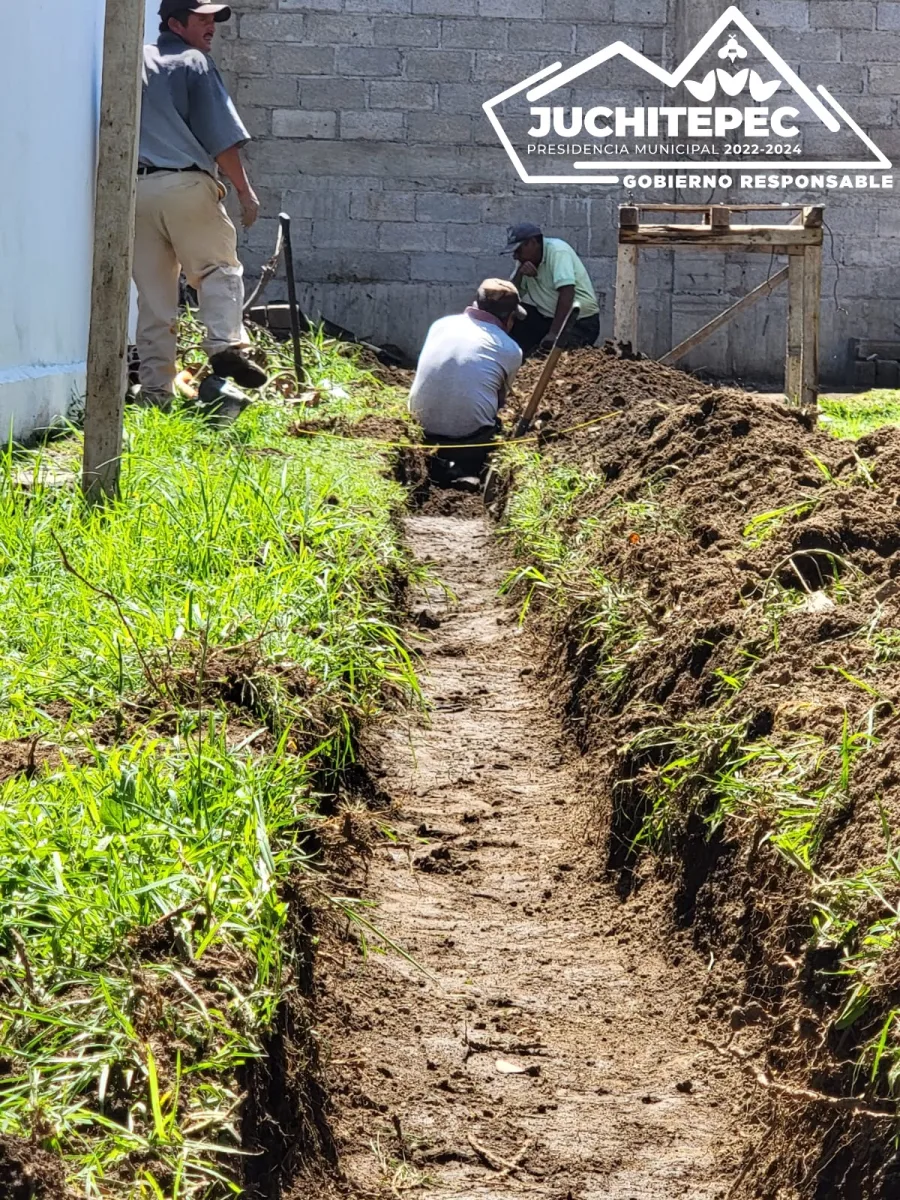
169,8
500,298
517,234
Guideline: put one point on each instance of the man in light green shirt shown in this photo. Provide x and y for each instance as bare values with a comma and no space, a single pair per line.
551,278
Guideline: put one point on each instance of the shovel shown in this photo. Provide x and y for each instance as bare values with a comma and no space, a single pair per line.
547,374
524,422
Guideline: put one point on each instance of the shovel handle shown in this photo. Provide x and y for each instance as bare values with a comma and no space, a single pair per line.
547,373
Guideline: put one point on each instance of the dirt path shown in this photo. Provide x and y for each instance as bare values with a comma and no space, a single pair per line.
535,965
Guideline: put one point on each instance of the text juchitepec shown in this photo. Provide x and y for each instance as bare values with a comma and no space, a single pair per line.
665,121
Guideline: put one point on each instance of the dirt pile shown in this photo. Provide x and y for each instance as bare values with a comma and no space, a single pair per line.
731,655
30,1173
713,504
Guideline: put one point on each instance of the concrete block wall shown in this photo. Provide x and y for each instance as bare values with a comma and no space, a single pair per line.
369,131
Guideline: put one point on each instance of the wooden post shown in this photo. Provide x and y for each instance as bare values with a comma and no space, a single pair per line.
793,371
812,293
626,319
113,246
629,216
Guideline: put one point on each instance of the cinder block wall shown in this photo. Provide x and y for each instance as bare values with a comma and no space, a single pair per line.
369,131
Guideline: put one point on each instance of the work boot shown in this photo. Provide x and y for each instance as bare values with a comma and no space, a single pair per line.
235,364
220,401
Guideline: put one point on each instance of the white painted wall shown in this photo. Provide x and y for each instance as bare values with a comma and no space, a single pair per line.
151,27
49,96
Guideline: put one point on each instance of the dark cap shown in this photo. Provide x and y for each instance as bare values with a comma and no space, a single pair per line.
500,298
517,234
168,8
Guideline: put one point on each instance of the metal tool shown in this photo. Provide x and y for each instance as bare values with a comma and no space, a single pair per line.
292,297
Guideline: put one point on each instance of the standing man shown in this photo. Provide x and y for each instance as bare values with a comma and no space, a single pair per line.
190,130
551,278
465,371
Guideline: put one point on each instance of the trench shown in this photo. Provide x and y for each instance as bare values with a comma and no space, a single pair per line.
546,1040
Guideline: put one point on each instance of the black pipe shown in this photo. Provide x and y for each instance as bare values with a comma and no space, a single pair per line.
292,297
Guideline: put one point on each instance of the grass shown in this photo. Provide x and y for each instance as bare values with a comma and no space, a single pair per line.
855,416
191,664
791,789
559,550
545,502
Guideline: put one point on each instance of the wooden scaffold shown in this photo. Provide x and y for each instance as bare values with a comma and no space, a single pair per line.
800,240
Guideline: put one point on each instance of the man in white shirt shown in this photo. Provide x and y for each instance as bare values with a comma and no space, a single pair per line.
465,371
552,277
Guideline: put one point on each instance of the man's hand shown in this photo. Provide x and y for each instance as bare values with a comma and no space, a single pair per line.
528,269
249,206
232,168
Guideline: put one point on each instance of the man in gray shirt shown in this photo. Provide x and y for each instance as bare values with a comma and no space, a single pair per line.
190,131
466,369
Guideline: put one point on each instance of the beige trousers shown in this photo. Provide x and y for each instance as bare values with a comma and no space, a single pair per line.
181,223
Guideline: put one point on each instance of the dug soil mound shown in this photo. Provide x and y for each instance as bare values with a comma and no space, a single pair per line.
731,651
29,1173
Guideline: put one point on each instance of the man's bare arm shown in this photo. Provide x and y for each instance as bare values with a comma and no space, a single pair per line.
563,307
232,167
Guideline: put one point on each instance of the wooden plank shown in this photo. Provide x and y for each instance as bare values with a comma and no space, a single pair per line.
793,368
626,318
745,302
812,299
712,246
688,208
743,236
107,374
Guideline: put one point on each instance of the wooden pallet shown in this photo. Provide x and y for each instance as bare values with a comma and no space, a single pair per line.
800,240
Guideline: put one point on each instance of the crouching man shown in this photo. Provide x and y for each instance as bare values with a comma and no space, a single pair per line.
190,132
552,278
465,371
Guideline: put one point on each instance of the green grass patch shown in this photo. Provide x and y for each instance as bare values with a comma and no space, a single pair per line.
855,416
558,548
194,660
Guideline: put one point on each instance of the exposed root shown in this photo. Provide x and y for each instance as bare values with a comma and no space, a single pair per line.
496,1163
853,1104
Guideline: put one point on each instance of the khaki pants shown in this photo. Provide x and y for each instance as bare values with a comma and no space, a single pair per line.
180,221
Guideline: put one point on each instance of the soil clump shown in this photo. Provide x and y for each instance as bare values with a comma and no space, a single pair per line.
29,1173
